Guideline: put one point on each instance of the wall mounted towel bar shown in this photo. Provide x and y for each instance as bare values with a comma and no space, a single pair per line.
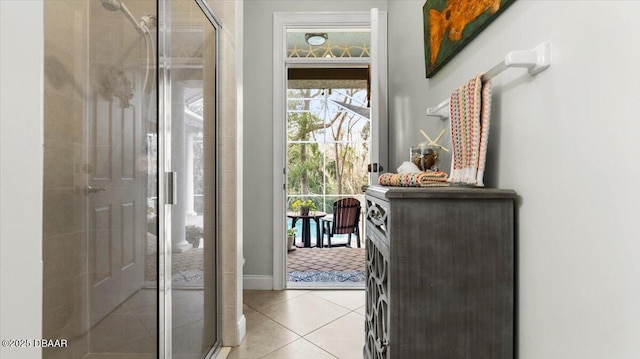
536,60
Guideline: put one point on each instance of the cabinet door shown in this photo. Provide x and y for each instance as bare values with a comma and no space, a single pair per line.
452,278
377,302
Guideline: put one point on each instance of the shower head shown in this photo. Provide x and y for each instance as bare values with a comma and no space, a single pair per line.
111,5
115,5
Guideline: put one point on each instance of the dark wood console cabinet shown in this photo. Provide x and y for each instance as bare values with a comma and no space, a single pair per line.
440,273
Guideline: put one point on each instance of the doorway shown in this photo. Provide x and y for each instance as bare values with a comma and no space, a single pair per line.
328,141
324,125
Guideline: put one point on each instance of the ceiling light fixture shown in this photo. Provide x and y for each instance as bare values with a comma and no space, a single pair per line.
316,39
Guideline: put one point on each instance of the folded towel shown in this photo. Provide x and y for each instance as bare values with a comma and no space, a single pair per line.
484,131
421,179
470,109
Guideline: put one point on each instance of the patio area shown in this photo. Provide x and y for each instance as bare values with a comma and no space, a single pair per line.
187,267
306,267
326,259
326,268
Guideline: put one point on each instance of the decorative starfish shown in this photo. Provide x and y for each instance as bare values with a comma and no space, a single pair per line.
312,52
329,50
345,51
295,52
365,51
435,142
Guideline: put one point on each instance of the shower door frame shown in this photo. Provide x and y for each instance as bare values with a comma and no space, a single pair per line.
167,178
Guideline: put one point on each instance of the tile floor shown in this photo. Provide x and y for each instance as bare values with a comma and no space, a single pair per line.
309,324
330,325
130,331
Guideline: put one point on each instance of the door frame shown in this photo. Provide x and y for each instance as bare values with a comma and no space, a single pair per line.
291,20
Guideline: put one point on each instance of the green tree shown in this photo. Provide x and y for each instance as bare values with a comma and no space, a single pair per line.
304,169
348,160
327,152
305,173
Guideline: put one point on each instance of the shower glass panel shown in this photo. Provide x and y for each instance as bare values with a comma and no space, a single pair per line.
100,179
192,79
125,274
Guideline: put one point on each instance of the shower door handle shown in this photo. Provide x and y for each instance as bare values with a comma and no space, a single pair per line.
171,187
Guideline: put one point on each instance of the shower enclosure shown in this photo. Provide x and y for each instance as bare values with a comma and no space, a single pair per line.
130,249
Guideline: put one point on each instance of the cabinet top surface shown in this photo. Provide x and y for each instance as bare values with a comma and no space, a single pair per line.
439,192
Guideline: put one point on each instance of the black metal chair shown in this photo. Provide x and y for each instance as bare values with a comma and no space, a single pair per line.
345,220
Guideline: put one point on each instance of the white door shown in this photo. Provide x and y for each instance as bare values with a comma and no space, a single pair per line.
379,98
116,205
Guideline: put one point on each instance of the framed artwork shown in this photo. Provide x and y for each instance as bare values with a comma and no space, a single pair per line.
449,25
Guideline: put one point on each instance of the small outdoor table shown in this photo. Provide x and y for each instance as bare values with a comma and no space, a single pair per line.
306,226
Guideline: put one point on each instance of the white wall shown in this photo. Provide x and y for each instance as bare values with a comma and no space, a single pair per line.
21,126
568,142
258,122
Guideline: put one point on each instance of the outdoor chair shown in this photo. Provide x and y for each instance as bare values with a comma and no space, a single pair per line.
345,220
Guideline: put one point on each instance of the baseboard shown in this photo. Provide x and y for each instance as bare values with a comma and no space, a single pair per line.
242,328
257,282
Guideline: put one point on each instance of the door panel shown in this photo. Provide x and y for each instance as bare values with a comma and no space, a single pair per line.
116,196
102,139
192,288
129,136
100,253
128,234
379,97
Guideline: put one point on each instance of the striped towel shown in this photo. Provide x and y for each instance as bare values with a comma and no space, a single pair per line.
470,108
420,179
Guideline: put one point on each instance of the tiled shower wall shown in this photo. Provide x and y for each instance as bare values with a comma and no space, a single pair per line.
64,208
231,274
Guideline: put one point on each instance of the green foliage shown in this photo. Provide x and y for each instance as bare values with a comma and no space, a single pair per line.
291,232
193,234
198,163
304,168
366,132
198,172
327,152
302,125
304,159
304,203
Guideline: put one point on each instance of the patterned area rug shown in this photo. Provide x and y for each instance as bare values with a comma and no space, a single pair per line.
326,268
188,277
326,276
326,279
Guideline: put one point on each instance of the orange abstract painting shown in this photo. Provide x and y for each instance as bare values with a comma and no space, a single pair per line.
450,24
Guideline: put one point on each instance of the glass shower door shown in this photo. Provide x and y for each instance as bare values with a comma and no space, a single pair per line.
189,49
130,96
100,254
